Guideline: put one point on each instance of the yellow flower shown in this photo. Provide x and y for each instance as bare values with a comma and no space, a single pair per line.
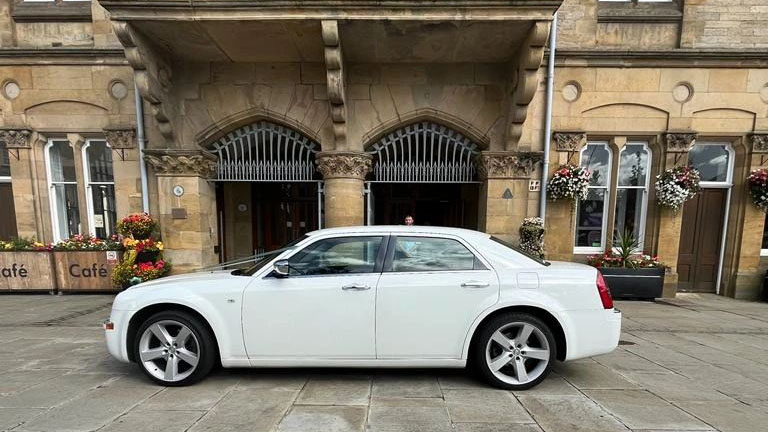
129,242
159,245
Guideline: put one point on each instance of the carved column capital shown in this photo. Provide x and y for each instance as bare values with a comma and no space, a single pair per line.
183,163
15,137
759,142
336,164
121,137
679,142
507,165
569,141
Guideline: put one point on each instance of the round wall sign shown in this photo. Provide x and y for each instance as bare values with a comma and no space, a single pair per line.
178,190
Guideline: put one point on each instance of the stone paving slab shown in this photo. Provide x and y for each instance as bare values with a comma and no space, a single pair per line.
698,364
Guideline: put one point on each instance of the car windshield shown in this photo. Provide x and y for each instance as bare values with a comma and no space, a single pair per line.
265,258
520,251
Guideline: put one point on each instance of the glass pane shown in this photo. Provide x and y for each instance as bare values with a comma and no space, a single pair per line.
104,215
99,162
589,219
67,213
765,233
629,208
62,162
337,256
431,254
5,162
595,158
711,161
633,165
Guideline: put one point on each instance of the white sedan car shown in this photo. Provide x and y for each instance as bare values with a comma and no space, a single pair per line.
377,296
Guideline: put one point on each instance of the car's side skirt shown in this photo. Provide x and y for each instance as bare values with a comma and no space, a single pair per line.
313,362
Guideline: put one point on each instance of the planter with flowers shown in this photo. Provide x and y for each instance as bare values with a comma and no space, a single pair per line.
630,274
26,265
758,188
569,182
677,185
85,263
143,260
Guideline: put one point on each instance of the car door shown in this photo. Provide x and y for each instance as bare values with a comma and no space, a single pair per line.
324,308
430,292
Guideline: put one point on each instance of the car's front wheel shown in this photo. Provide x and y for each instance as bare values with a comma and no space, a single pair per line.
514,351
174,348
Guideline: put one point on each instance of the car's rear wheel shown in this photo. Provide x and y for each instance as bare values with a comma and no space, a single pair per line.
174,348
514,351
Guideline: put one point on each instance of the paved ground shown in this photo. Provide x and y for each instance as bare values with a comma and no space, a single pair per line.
700,364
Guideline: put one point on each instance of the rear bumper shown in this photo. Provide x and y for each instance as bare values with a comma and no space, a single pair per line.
116,337
592,333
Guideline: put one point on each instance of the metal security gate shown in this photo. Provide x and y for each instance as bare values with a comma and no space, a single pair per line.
421,153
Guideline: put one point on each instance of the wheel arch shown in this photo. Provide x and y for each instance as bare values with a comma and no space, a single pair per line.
539,312
147,311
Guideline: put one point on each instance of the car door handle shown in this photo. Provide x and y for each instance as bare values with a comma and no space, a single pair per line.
474,284
355,287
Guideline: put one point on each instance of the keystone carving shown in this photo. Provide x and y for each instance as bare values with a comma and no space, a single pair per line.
15,138
344,164
759,143
569,141
679,142
507,165
334,67
121,138
185,163
525,80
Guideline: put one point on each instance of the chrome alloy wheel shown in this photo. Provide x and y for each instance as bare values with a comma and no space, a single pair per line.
169,350
517,353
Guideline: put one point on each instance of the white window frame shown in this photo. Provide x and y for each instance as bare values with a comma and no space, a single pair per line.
728,182
645,188
51,184
87,182
584,250
6,179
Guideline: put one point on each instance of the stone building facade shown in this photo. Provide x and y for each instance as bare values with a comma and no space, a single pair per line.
273,118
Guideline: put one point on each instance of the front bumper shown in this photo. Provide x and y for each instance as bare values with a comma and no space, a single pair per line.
593,333
117,336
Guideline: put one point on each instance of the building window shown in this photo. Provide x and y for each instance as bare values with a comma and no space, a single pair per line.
5,164
591,213
632,190
99,187
62,188
712,160
764,247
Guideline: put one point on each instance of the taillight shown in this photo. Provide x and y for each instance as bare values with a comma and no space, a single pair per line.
605,293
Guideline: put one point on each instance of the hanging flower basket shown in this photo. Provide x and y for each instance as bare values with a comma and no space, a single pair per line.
140,226
677,185
569,182
758,188
532,236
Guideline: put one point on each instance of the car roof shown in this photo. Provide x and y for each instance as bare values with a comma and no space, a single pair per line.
401,229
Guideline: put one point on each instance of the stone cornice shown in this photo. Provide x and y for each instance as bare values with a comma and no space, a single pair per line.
182,163
507,165
759,142
63,56
673,58
569,141
15,137
121,137
679,142
340,164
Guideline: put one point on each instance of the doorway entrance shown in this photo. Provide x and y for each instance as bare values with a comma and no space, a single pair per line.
699,257
282,213
451,204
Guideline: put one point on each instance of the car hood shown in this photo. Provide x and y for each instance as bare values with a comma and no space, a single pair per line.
217,276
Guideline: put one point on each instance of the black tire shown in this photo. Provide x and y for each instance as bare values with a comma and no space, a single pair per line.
478,354
207,351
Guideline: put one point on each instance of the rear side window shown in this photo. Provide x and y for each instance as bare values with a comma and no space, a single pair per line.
415,254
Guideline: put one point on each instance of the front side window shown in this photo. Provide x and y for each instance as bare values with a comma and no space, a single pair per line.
591,212
62,180
100,187
632,190
711,160
340,255
418,254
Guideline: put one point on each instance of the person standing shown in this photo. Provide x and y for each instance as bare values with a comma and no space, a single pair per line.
409,220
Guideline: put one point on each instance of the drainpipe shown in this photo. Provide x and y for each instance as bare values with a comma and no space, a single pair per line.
140,138
548,117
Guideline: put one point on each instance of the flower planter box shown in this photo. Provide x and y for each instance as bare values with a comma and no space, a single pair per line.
27,271
642,283
78,271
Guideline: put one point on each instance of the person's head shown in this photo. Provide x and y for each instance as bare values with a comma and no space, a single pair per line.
409,220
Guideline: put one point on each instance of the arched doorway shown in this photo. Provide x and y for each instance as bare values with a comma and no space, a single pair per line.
425,170
268,191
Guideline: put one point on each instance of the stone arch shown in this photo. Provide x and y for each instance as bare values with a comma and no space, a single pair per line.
64,106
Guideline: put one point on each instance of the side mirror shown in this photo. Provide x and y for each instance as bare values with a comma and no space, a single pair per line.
282,268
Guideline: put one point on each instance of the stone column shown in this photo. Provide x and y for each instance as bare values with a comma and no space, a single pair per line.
504,195
125,167
748,276
344,174
187,206
676,146
23,174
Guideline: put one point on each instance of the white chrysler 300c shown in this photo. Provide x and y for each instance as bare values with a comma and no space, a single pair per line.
377,296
